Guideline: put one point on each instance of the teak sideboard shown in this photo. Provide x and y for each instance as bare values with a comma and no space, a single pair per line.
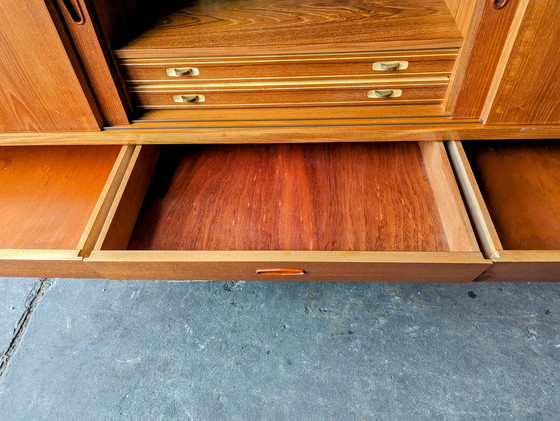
365,140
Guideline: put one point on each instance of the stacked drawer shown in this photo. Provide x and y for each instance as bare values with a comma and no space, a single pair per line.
399,77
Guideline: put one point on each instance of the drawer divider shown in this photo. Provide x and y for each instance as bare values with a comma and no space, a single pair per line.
489,240
105,201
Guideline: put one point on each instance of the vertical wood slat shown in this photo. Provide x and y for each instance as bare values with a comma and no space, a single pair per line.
478,59
526,87
102,71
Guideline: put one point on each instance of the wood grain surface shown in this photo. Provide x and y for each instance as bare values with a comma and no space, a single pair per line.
43,88
462,11
290,197
524,266
520,183
478,59
528,91
290,131
227,27
291,96
47,194
318,265
311,66
100,66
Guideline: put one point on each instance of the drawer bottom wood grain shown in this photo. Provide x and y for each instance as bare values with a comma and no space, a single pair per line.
333,212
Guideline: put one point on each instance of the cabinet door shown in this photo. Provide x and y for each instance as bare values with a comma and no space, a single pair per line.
526,87
42,87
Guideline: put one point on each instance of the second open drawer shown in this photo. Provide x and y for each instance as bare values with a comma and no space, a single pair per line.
512,189
363,212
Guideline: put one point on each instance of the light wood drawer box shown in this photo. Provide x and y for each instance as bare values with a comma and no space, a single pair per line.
403,91
290,67
51,201
513,193
360,212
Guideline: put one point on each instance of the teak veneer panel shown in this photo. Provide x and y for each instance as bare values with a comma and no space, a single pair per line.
43,88
520,183
47,194
291,197
225,27
526,88
289,67
479,59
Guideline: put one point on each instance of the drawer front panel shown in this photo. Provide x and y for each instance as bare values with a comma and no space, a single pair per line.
411,267
382,65
293,96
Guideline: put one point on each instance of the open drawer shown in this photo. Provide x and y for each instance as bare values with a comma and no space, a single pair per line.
362,212
52,201
512,189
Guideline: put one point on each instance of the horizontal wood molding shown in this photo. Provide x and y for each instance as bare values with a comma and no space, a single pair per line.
287,132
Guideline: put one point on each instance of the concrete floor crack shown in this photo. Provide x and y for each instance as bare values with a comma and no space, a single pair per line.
37,291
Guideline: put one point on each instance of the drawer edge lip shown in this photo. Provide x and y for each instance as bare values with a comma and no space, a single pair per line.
170,256
129,52
449,53
39,254
528,256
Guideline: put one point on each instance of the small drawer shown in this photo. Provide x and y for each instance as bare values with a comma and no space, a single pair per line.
360,212
364,65
403,91
51,201
513,193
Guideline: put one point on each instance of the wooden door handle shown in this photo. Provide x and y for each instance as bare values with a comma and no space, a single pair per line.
74,9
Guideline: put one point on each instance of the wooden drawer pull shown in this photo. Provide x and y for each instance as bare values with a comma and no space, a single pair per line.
74,10
384,93
182,71
280,272
189,98
389,66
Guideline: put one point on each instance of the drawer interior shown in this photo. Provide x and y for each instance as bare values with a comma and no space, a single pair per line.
520,184
321,197
48,194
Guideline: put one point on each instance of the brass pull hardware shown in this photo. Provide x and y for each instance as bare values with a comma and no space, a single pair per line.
74,10
390,66
182,71
384,93
499,4
280,272
189,98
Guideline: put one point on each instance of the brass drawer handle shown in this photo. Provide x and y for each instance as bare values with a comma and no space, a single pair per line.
384,93
390,66
189,98
182,71
280,272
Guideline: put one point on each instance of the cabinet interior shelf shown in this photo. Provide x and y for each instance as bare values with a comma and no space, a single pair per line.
232,28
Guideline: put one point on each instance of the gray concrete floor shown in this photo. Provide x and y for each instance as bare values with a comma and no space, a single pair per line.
102,350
